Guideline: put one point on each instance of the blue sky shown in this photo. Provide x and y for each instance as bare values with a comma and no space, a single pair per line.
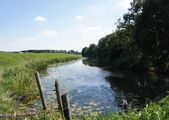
57,24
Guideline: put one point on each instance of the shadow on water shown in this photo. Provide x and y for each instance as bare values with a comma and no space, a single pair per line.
139,88
134,87
92,89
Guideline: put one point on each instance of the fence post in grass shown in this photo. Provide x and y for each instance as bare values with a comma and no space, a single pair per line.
40,91
66,107
59,100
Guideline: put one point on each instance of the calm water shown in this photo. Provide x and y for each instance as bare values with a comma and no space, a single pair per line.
92,89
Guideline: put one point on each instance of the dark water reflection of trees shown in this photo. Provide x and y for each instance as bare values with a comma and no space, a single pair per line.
137,88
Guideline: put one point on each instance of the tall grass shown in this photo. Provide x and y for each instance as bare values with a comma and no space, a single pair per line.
17,82
152,111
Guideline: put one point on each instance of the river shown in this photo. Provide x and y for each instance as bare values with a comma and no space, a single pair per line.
93,89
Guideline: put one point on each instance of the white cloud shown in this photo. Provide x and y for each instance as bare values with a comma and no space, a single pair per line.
41,35
99,21
40,19
124,4
48,39
91,30
79,17
28,39
95,33
49,34
95,9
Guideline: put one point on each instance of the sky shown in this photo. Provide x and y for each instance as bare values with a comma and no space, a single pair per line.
57,24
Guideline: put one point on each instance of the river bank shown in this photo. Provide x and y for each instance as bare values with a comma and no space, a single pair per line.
17,82
15,71
96,90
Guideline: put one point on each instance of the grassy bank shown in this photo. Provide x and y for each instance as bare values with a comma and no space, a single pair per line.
17,82
152,111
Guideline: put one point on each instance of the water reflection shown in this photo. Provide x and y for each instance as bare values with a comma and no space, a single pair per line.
138,88
92,89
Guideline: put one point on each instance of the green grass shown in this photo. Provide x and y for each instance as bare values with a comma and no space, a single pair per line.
17,82
152,111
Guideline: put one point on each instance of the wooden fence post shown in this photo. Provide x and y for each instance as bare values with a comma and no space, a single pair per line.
66,107
40,91
57,88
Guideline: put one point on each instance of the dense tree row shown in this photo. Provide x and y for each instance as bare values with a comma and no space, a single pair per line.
141,40
51,51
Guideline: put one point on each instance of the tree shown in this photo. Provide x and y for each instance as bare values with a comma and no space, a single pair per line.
141,40
151,33
84,52
90,52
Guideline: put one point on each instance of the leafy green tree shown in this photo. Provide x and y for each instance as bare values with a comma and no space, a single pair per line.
90,52
141,40
84,51
151,33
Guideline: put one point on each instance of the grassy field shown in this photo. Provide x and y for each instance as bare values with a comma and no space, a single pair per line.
17,82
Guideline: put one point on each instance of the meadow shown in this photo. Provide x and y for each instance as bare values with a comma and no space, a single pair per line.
17,85
17,82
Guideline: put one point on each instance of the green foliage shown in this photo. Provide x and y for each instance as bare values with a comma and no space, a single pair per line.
90,52
17,82
151,33
51,51
152,111
141,40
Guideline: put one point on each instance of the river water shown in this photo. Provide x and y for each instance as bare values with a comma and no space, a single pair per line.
93,89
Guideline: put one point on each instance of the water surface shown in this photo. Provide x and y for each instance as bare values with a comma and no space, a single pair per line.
92,89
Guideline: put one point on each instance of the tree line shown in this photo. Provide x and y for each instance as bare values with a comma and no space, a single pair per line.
51,51
141,40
